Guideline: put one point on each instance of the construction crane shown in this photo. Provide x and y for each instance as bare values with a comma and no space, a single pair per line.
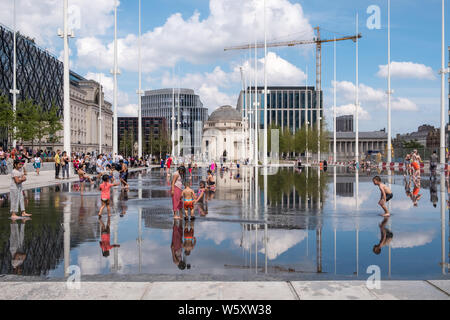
317,41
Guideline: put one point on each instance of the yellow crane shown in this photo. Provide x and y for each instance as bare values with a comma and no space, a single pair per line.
317,41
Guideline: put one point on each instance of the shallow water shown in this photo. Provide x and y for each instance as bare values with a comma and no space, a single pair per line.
305,231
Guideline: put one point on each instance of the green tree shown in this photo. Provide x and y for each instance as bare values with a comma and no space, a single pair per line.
41,124
54,125
26,121
7,120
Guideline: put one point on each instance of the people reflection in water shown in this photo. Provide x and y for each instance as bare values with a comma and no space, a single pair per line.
123,201
16,245
189,239
386,236
177,244
105,243
433,191
415,196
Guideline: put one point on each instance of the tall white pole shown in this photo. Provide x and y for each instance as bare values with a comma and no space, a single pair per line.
115,72
334,105
443,72
14,90
140,89
178,125
357,98
389,92
256,157
173,121
250,108
306,114
67,128
100,123
243,114
265,88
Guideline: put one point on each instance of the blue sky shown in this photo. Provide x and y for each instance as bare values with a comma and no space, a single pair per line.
188,37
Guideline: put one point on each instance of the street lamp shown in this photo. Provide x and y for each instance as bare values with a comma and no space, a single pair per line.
140,89
14,90
115,72
65,34
443,72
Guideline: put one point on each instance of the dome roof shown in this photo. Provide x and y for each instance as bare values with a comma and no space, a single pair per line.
225,113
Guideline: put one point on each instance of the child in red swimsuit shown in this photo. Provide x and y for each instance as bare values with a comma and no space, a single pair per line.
105,189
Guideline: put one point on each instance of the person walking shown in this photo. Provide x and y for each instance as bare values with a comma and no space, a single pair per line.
57,163
37,162
18,176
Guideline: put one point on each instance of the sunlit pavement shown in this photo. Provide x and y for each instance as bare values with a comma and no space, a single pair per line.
309,243
296,290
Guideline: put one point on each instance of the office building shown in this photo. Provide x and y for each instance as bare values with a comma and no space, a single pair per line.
344,123
188,111
40,78
154,129
287,107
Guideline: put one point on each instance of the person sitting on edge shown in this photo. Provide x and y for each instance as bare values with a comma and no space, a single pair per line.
386,195
189,197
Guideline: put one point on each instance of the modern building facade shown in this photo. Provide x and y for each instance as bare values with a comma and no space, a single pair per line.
153,129
188,110
287,107
40,78
344,123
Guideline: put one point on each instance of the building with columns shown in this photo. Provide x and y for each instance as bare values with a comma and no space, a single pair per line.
223,135
369,142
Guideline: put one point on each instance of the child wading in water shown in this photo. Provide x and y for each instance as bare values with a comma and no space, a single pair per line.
105,188
188,200
386,195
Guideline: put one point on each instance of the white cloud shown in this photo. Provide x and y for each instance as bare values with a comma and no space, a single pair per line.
350,109
370,98
407,70
231,22
42,20
124,107
210,85
280,241
412,239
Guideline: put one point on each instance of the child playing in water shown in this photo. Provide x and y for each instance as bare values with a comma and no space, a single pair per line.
105,188
386,195
83,177
188,196
201,193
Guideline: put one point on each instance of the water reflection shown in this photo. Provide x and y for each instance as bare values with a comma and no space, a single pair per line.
386,236
287,224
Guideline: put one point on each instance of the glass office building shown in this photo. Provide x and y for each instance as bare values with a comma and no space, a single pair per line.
191,113
39,73
286,106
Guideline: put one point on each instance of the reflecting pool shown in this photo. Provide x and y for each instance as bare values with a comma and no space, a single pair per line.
289,224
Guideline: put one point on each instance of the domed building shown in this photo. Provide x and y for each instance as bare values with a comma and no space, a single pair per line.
223,135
